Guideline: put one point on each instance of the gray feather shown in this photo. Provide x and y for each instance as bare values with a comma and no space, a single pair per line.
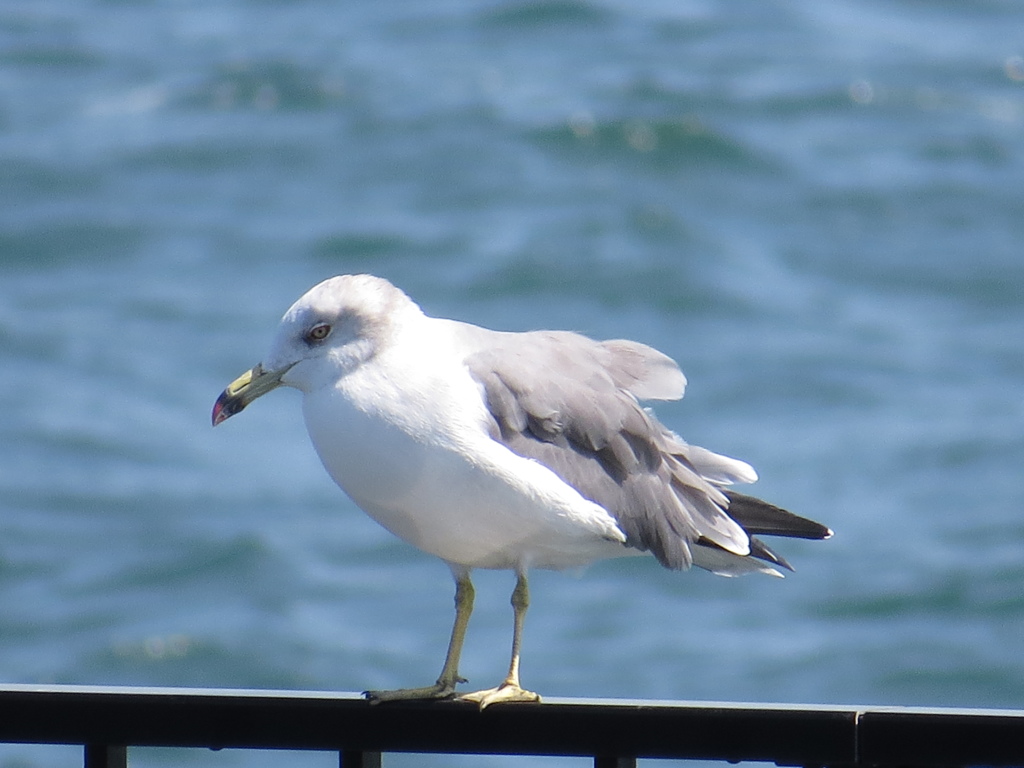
571,404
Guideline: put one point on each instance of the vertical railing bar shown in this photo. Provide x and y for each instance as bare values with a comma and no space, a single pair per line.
106,756
357,758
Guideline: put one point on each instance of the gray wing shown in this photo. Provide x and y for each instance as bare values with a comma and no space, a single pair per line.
571,404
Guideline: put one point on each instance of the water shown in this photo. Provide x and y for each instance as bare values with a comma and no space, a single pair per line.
815,208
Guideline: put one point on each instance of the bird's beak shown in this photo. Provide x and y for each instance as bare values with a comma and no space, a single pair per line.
254,383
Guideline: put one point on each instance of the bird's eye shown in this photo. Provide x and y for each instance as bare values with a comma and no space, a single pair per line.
318,332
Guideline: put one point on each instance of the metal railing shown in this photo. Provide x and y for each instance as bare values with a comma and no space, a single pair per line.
108,721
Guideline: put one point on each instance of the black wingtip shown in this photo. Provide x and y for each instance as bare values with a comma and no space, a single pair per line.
760,517
762,551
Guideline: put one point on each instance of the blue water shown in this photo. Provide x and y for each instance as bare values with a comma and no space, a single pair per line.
815,207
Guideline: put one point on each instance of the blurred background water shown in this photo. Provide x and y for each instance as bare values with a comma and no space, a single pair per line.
816,208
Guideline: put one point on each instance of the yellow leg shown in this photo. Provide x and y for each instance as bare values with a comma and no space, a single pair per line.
449,677
510,690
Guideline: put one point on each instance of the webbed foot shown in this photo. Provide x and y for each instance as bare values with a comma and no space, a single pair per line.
506,692
442,689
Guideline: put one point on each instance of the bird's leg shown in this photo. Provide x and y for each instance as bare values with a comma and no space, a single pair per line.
510,690
449,677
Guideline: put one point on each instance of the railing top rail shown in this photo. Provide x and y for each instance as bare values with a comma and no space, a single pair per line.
313,720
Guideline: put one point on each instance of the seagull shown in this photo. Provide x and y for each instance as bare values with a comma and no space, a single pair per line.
502,450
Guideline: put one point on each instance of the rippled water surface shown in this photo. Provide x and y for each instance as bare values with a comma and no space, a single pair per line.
815,208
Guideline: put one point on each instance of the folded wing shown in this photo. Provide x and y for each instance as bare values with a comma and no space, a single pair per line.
572,404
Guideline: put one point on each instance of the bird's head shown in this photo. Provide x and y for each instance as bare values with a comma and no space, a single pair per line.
333,329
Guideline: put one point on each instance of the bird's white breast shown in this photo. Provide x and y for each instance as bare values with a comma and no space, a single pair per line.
405,437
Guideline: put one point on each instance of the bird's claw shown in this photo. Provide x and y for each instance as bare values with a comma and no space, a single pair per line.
442,689
506,692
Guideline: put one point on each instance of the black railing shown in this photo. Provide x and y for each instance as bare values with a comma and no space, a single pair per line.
107,721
